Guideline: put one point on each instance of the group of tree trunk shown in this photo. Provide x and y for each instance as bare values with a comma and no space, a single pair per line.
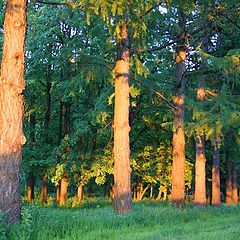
12,138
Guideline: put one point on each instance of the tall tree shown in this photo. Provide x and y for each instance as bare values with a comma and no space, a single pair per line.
200,163
122,170
11,107
178,185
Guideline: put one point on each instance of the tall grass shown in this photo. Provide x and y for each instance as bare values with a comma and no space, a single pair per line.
149,220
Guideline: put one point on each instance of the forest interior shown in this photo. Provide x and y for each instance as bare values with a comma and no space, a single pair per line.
120,119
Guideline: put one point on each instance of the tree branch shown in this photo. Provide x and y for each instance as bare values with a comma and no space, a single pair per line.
160,95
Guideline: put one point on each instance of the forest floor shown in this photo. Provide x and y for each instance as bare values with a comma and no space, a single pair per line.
149,220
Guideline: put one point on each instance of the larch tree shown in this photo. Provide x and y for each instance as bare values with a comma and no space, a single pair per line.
178,142
200,163
122,171
11,108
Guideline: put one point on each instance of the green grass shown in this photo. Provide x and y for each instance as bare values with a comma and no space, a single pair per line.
149,220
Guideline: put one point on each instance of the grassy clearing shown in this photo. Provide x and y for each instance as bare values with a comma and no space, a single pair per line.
149,220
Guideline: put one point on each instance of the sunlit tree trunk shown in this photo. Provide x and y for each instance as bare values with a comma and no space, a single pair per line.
200,173
122,171
151,192
11,108
200,163
63,192
229,191
234,184
178,184
31,183
80,192
158,198
216,198
44,188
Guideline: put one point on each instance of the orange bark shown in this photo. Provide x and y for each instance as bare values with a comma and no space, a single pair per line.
63,191
44,188
200,173
30,186
178,183
12,85
80,193
122,171
234,184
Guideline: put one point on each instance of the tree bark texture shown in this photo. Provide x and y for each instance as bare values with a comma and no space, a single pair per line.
44,188
31,183
234,184
216,198
178,183
200,173
63,192
122,171
11,108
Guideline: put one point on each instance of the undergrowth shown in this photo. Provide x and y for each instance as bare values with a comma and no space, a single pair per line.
149,220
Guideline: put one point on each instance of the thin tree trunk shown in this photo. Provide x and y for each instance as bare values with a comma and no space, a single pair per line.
12,85
151,192
229,191
48,105
63,192
80,193
216,200
58,190
200,173
234,184
139,191
159,194
122,171
31,183
44,188
178,183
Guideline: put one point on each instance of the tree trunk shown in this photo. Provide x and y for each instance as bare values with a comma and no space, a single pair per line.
122,171
229,192
216,200
44,188
63,192
159,194
31,183
200,173
80,193
11,108
48,105
58,189
151,192
178,184
139,191
234,184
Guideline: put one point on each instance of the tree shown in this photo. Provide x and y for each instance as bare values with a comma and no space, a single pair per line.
122,170
178,185
11,108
